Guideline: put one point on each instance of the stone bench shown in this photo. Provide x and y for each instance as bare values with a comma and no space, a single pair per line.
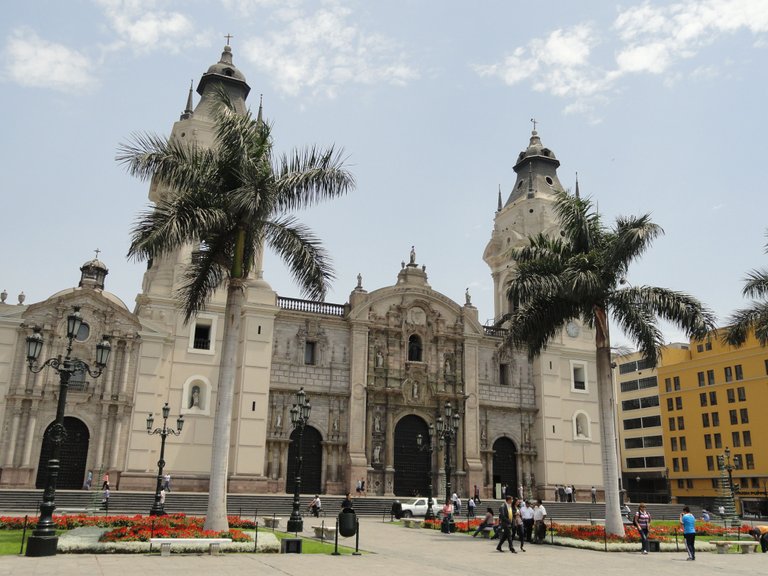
271,522
746,546
412,522
212,543
325,532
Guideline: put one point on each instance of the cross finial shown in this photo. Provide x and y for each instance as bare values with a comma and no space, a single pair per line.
97,253
534,122
228,37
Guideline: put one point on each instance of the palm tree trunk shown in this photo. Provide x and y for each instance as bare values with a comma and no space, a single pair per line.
216,514
613,521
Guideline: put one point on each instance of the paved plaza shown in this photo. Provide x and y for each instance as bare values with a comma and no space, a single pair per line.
395,550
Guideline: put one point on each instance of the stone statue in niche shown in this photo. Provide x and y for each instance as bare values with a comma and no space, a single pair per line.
580,432
415,390
379,359
413,255
377,423
194,397
377,454
448,367
335,425
279,422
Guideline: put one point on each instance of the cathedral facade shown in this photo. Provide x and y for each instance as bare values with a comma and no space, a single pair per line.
378,370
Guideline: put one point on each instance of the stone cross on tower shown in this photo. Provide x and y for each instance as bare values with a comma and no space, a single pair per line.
534,122
228,37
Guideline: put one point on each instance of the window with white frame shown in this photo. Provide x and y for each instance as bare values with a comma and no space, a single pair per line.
578,376
202,334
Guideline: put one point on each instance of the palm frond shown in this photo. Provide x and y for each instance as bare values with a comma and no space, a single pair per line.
203,276
743,321
300,249
638,322
756,284
309,176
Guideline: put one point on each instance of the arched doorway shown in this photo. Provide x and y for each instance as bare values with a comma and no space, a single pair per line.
73,457
505,463
411,464
312,455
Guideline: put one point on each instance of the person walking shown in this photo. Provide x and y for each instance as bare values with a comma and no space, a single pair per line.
519,526
642,522
593,491
507,518
688,521
568,493
471,508
105,481
167,482
477,495
346,504
88,481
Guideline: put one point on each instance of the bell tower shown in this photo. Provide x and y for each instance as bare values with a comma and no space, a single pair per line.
527,211
566,436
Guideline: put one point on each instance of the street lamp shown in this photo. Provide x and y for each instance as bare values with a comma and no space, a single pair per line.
428,449
158,507
43,541
446,431
725,464
299,418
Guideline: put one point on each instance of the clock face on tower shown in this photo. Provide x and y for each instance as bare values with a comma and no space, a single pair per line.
572,329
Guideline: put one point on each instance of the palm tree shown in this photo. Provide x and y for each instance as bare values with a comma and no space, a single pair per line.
579,275
755,317
232,199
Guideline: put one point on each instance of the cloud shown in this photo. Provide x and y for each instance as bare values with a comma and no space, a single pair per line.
141,26
34,62
322,51
651,39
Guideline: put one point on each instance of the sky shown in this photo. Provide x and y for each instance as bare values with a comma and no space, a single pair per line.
659,107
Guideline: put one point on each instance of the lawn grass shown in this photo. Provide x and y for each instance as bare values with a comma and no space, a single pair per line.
10,541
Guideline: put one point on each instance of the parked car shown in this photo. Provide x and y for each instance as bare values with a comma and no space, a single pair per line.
418,507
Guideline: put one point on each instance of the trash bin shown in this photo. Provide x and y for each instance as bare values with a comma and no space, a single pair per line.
397,509
290,546
347,522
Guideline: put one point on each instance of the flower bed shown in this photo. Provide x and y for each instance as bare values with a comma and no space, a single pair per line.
69,522
142,528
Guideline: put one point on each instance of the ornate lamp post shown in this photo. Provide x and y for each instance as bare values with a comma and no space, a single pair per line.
446,431
43,541
724,462
428,449
299,418
158,507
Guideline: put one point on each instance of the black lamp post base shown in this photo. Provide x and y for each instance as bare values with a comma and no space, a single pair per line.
42,545
295,525
157,512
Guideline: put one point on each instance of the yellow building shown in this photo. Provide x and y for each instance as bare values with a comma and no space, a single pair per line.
641,445
714,398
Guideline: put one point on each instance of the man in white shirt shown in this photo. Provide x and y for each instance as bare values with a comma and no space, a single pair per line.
539,528
526,513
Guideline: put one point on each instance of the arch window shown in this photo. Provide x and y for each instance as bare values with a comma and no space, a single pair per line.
414,348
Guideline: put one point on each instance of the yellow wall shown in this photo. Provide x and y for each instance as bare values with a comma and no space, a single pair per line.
679,383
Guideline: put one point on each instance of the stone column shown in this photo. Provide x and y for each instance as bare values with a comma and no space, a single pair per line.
29,438
126,367
102,438
114,453
9,456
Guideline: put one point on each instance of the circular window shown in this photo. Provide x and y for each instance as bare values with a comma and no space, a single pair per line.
83,333
530,210
549,180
